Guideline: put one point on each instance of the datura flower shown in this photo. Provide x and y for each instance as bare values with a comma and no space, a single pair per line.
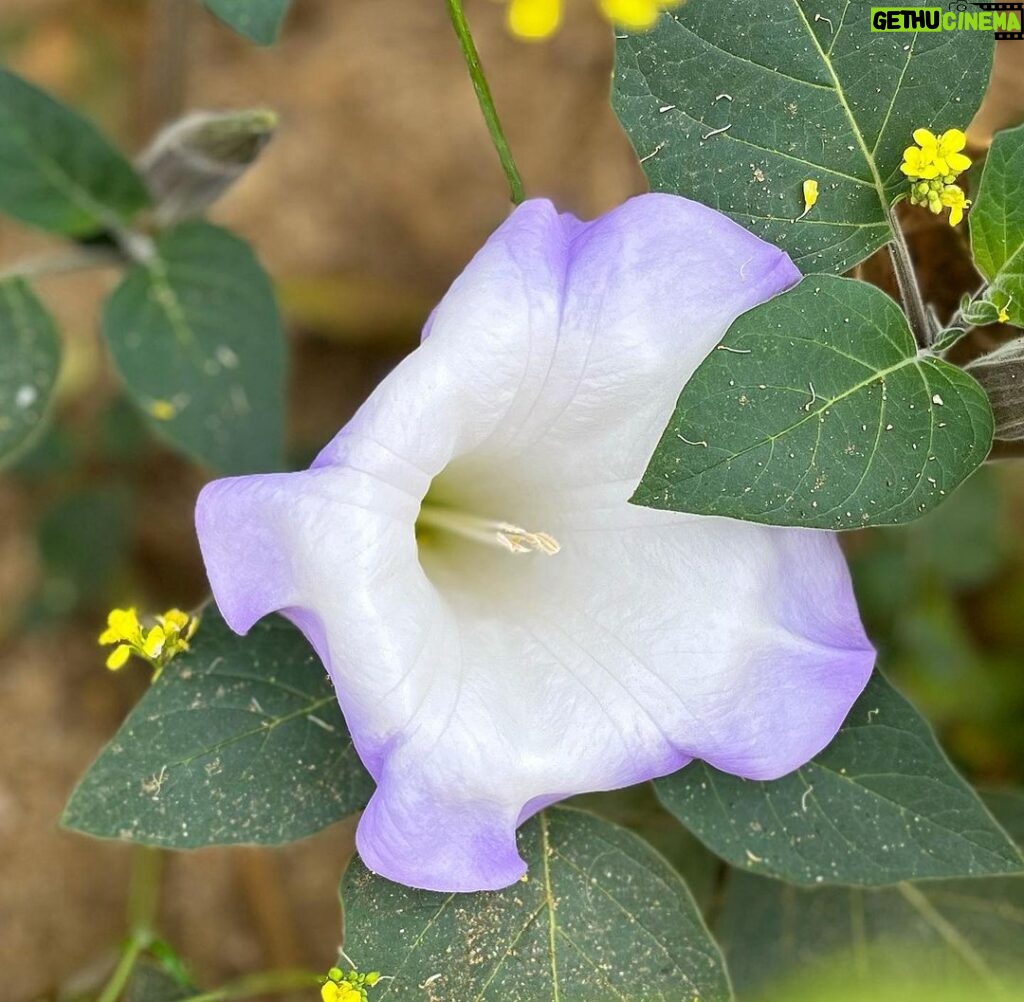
537,19
503,628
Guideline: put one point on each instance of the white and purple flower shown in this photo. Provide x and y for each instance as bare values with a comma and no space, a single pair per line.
502,627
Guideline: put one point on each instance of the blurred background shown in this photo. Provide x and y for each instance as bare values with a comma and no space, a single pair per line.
378,187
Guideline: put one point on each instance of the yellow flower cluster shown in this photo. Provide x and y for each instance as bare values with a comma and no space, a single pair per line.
535,19
347,987
157,644
933,166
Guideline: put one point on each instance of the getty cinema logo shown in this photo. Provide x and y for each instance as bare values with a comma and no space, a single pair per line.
1005,19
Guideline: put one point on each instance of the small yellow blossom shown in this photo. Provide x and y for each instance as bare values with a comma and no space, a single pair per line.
536,19
932,167
919,163
157,644
954,199
341,986
344,992
810,195
944,150
1004,311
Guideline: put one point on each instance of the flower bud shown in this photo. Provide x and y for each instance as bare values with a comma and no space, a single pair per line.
193,161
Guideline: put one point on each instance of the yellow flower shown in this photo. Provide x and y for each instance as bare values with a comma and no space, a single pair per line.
536,19
158,644
944,150
919,162
954,199
122,624
332,991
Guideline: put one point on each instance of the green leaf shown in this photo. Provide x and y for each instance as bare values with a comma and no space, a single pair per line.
737,104
818,410
196,335
881,804
258,20
57,171
997,221
30,349
962,931
239,741
600,916
1001,374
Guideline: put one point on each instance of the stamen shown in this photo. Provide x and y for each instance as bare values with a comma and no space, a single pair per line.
521,541
513,538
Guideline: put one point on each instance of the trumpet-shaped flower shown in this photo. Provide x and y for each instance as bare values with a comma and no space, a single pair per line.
503,628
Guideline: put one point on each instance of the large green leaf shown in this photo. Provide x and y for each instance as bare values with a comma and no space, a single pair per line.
599,916
196,335
258,20
966,932
30,350
737,104
818,410
57,171
997,220
239,741
881,804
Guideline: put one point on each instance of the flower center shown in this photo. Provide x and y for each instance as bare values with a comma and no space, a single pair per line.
513,538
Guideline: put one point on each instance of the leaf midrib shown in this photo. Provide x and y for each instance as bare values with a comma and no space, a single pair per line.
877,184
877,374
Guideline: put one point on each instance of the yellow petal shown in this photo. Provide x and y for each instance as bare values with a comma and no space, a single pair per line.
534,18
173,620
109,636
118,656
810,194
951,141
125,622
956,213
154,642
638,14
957,162
925,138
330,992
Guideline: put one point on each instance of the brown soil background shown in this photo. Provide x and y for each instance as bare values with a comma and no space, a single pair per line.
378,188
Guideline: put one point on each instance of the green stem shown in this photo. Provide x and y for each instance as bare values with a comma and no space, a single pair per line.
268,982
143,900
76,259
119,979
483,95
910,292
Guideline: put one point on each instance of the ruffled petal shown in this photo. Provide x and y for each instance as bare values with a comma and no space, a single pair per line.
480,685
